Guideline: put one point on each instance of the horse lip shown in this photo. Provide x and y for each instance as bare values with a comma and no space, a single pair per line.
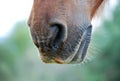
82,50
59,61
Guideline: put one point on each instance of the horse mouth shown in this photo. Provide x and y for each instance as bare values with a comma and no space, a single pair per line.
83,46
78,55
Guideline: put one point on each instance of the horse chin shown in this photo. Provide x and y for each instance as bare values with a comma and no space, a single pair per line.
77,56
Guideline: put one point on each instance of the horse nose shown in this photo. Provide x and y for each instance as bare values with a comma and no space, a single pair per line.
59,35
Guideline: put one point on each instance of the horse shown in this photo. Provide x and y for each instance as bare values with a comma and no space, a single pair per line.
61,29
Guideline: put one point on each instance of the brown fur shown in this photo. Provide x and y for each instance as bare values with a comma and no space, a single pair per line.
94,4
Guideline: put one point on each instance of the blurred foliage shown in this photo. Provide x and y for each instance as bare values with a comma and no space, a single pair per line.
19,60
10,50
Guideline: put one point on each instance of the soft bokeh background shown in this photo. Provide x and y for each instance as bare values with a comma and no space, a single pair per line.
19,59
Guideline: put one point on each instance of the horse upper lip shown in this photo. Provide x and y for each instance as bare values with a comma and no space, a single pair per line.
79,54
82,50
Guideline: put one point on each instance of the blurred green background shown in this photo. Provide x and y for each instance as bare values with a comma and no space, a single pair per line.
19,59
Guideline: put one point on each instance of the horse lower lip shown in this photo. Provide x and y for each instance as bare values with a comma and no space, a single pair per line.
81,53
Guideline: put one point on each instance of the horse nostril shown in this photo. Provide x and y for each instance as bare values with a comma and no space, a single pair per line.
59,35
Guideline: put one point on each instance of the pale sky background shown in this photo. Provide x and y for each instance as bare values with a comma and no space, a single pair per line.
12,11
